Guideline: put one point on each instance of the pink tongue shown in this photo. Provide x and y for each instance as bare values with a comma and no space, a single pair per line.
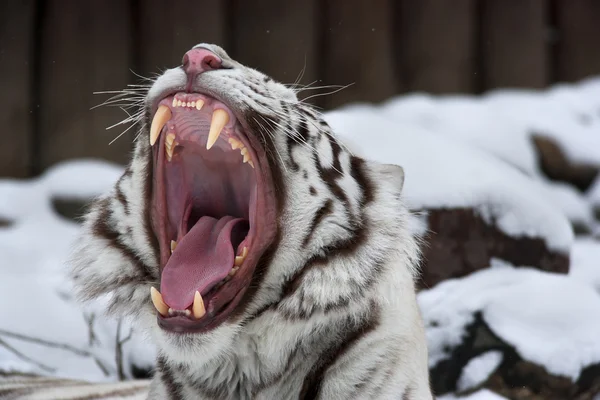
202,259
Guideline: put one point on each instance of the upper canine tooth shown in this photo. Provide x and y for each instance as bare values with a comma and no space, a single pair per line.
199,104
220,118
158,302
163,114
198,308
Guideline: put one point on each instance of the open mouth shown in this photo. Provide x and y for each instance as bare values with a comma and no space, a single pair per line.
211,210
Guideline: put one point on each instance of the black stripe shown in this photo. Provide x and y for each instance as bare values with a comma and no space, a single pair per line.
102,228
121,196
146,210
173,388
357,170
348,337
325,210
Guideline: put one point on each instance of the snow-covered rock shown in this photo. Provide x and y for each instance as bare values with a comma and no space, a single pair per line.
478,207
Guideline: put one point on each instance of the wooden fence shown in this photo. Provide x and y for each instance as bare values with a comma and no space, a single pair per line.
55,53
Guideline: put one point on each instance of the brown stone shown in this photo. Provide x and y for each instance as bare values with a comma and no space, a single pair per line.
515,378
557,167
460,242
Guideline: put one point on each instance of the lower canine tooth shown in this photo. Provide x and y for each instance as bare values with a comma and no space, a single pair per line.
198,308
158,302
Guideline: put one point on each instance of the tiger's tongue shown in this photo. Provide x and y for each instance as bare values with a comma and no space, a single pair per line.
202,258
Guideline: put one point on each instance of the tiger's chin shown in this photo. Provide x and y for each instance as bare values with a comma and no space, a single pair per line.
213,211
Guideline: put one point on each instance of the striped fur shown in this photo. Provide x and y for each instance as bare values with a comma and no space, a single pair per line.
331,311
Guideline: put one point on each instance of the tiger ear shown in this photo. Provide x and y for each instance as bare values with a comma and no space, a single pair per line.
392,173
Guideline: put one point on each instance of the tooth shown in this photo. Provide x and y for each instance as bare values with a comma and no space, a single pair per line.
174,102
240,259
189,103
246,157
163,114
193,104
198,307
235,144
187,313
199,104
170,139
170,151
233,271
173,246
251,163
244,151
220,118
179,103
158,302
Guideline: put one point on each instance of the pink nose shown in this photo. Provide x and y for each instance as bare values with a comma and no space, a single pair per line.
197,61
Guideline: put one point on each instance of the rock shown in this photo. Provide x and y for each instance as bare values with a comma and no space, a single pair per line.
557,167
514,378
460,242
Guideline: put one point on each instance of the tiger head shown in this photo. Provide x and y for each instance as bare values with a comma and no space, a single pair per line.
239,208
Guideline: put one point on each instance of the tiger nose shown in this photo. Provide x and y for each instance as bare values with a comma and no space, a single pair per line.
197,61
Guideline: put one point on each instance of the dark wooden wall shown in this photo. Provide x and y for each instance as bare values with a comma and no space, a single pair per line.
55,53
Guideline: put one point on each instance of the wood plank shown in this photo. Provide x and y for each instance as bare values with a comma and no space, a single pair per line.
277,37
436,45
169,29
86,47
358,50
514,43
16,39
578,52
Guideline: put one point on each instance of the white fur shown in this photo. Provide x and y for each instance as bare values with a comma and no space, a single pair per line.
271,355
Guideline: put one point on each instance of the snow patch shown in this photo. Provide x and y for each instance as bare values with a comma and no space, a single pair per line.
556,328
441,173
478,370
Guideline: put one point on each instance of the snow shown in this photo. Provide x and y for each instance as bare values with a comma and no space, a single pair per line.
562,113
479,395
585,262
556,328
468,120
478,370
34,248
444,173
593,194
571,202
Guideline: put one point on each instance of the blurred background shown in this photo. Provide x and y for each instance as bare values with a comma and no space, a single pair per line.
54,54
492,107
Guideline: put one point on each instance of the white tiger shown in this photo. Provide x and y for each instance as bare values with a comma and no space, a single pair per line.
266,261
